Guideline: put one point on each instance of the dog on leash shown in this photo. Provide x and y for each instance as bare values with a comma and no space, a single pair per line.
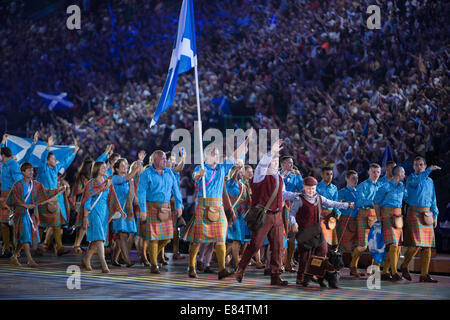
335,263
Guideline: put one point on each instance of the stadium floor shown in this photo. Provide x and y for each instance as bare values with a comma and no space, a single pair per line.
49,282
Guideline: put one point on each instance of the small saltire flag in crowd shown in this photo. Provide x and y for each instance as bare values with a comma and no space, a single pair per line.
387,155
56,101
19,147
184,57
365,129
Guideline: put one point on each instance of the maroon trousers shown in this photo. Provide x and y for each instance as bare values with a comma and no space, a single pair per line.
274,229
304,255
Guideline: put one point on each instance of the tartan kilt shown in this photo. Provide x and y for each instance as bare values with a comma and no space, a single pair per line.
349,237
418,234
5,211
153,228
362,229
330,235
200,229
21,231
79,218
48,219
391,234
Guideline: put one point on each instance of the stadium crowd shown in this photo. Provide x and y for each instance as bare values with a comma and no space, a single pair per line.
337,91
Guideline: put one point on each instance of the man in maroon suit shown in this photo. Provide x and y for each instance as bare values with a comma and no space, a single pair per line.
262,186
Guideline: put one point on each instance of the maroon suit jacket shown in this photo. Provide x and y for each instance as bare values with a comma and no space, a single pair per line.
262,191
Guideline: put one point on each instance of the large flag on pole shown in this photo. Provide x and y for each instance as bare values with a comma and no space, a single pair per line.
184,57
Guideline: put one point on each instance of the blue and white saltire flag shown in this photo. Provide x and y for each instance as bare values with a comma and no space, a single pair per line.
184,57
19,147
376,245
56,101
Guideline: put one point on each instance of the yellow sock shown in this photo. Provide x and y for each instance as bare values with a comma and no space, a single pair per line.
412,251
393,258
220,253
425,258
6,235
57,234
386,264
162,244
355,258
176,240
153,248
193,251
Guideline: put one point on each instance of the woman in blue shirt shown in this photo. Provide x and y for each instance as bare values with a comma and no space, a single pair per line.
126,193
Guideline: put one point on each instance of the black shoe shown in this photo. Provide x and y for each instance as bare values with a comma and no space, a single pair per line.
405,274
396,277
224,273
200,266
306,279
7,254
267,272
386,277
427,278
277,281
154,270
192,273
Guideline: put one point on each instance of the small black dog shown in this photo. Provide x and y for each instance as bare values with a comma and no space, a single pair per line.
335,263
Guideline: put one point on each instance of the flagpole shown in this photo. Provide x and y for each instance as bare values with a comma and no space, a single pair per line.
200,130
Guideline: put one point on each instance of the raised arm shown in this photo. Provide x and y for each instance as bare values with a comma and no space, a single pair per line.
261,168
334,204
414,179
176,192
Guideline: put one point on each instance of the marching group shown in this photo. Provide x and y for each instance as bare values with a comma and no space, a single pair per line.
116,205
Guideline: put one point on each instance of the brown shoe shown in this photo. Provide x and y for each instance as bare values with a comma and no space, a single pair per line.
145,262
192,273
224,273
277,281
354,272
405,274
154,270
239,275
260,265
396,277
177,256
62,251
386,277
106,270
14,261
208,269
427,278
200,266
290,269
32,264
